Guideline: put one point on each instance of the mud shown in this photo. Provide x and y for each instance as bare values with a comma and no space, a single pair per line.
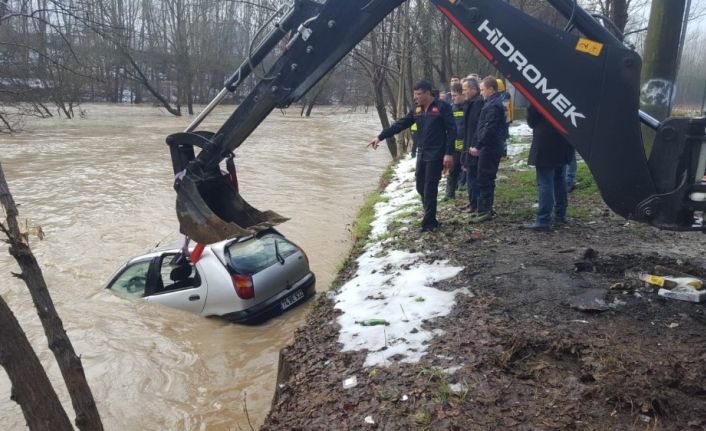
516,355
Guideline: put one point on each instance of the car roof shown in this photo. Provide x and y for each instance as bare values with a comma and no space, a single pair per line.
217,248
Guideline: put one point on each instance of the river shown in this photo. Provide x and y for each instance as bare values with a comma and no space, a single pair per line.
101,188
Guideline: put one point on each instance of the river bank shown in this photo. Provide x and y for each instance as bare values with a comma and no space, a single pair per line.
484,328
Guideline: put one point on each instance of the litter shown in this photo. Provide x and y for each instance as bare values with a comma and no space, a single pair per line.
350,382
684,294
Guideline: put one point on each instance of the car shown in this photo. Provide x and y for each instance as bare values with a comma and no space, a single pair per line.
245,280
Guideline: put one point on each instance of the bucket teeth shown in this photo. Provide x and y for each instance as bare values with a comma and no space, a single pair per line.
213,211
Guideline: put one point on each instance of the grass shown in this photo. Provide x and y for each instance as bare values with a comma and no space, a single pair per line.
516,193
366,214
433,374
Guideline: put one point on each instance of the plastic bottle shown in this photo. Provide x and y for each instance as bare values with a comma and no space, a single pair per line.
373,322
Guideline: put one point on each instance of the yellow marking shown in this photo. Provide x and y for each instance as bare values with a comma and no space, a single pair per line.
589,46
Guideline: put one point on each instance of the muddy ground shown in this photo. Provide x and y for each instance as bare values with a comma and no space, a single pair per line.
516,355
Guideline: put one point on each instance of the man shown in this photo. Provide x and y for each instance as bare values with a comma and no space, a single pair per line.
459,104
549,154
447,96
436,132
474,103
488,146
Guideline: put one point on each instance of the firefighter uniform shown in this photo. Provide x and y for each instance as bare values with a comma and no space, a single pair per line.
455,173
436,135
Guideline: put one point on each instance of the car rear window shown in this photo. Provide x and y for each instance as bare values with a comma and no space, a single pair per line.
254,255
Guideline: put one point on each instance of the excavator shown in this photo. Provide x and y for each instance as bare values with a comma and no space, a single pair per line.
582,78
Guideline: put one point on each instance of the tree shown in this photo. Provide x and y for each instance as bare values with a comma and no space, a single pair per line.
22,374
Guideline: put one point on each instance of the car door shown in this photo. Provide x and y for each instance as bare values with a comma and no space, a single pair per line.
131,281
176,283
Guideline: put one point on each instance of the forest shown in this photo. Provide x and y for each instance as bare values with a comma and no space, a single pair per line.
175,54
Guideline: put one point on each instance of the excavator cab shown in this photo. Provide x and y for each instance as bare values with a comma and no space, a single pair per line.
583,79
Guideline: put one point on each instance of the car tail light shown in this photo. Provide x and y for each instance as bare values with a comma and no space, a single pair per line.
243,286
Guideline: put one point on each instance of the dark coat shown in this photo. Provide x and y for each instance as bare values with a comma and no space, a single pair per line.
471,115
490,135
436,130
549,147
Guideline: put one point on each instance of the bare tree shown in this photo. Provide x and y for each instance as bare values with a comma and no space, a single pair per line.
87,417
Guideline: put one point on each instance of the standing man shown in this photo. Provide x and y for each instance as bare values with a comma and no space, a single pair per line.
488,146
459,104
474,103
436,132
549,154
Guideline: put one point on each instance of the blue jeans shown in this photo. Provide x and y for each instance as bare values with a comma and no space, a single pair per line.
551,186
571,172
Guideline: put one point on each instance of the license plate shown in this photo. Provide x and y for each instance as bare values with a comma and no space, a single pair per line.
291,299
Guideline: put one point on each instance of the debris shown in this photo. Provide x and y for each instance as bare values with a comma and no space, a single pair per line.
620,286
591,300
369,420
583,266
665,270
373,322
589,253
645,418
673,325
350,382
404,398
580,321
672,282
684,294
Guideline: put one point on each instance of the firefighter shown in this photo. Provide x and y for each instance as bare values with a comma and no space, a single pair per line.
459,104
436,136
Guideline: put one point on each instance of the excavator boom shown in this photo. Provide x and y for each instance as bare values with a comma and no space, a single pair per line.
585,83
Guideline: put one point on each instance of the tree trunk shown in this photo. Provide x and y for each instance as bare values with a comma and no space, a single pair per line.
384,121
659,60
31,388
87,417
619,14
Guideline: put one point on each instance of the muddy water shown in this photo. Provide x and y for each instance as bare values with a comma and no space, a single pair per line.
101,188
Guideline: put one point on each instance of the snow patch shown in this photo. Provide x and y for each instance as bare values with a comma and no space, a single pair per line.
393,285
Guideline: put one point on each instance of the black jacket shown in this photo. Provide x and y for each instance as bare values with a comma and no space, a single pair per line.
549,148
490,135
471,115
436,130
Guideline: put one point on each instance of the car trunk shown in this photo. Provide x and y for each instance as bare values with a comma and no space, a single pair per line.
274,263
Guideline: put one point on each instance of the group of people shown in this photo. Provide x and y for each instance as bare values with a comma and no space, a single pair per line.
468,137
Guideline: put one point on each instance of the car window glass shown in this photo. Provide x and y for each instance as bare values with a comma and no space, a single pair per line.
254,255
132,280
179,275
285,247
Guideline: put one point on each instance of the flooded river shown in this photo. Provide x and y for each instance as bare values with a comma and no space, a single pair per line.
101,188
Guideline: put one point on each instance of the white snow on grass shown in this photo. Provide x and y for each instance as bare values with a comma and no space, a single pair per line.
518,128
393,285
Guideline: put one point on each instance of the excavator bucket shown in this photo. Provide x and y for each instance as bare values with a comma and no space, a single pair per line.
209,207
213,211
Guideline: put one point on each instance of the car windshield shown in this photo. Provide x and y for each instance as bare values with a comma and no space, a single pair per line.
254,255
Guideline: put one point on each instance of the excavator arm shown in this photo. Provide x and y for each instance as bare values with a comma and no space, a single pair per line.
585,83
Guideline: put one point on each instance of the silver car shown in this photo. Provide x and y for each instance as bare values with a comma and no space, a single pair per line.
245,280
